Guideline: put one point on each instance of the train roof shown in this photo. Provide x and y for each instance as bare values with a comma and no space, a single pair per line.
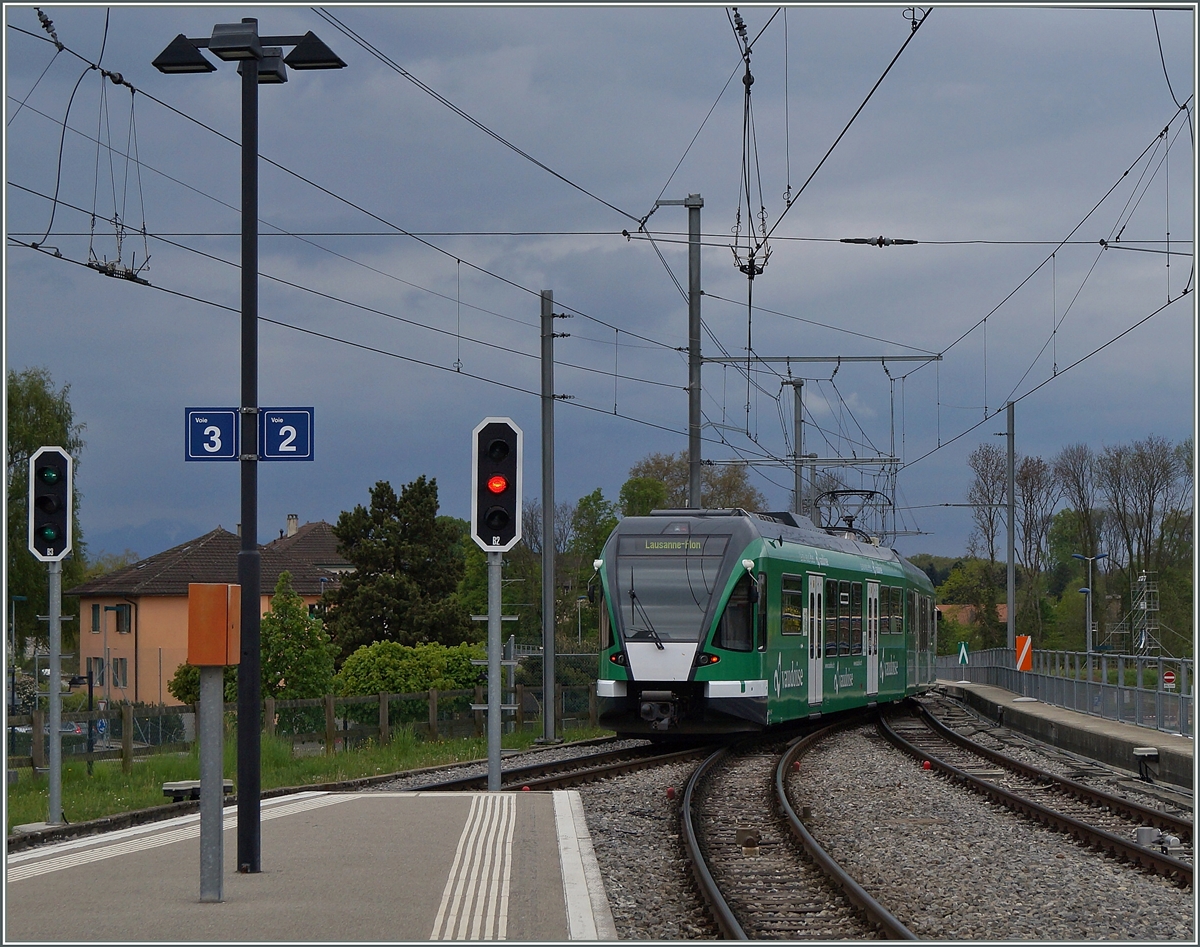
793,528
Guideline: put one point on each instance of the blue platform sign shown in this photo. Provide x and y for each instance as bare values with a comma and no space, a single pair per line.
285,433
212,434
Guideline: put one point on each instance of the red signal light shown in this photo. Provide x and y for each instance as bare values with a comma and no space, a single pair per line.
497,484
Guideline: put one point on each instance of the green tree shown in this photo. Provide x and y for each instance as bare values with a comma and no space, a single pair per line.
640,495
297,655
721,487
406,572
184,685
595,517
39,414
386,667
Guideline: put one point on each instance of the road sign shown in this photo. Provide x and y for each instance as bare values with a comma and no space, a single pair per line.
211,434
101,727
962,652
285,433
1169,680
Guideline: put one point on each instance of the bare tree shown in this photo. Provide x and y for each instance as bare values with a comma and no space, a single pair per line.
988,491
531,526
722,486
1075,469
1037,494
1145,485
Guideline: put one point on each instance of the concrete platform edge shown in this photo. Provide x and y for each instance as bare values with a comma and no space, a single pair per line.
589,915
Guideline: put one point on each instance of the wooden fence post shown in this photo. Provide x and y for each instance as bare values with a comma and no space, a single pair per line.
385,736
37,750
329,730
478,713
126,737
433,713
520,708
558,709
269,717
592,712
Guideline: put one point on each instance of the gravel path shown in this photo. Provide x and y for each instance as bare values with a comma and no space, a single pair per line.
953,866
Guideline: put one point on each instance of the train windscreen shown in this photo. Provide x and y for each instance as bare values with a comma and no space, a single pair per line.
665,584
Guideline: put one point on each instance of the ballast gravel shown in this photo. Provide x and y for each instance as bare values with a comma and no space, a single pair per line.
635,833
954,866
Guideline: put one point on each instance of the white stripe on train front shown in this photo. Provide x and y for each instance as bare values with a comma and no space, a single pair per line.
673,662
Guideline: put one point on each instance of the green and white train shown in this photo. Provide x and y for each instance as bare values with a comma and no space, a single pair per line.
726,621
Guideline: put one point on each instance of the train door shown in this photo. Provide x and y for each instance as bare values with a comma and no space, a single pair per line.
871,645
816,638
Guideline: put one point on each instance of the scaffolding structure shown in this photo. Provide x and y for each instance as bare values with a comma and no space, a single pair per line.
1140,627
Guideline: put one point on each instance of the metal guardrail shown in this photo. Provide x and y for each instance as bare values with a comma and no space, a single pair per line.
1154,692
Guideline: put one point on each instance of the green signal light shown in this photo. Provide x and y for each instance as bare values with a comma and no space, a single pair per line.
48,533
49,475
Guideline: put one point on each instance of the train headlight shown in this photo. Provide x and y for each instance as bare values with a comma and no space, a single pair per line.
618,658
704,658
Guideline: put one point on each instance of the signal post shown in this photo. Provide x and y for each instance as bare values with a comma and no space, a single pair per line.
495,528
50,521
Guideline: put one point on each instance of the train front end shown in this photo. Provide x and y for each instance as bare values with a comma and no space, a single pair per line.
677,653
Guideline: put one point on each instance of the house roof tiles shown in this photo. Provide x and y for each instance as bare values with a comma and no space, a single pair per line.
209,558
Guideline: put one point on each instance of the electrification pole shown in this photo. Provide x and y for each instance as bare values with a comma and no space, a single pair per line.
1012,530
693,202
548,708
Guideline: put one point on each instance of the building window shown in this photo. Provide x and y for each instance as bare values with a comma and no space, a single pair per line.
95,667
124,619
96,613
120,672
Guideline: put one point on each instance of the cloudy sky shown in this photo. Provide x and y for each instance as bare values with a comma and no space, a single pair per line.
403,248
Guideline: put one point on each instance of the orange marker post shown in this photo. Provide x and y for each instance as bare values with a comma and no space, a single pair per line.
214,641
1024,653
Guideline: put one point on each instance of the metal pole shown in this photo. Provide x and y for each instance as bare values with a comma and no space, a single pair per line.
249,857
1012,530
798,425
693,203
495,560
212,779
1088,630
91,744
54,687
548,516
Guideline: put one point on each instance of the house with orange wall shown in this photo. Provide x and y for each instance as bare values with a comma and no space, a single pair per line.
133,621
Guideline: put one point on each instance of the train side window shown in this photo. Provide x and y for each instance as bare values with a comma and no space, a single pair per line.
856,618
843,618
791,620
736,629
831,615
910,617
606,639
885,600
761,604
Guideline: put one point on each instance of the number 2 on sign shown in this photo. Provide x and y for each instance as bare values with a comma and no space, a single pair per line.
289,434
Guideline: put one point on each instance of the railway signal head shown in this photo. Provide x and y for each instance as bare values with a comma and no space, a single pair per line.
50,499
496,498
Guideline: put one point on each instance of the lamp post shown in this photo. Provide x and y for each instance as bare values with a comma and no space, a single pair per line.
12,666
579,600
1088,591
260,59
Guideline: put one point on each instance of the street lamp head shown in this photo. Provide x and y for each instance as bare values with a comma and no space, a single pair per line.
1079,555
1085,591
271,71
311,53
231,41
182,56
1101,555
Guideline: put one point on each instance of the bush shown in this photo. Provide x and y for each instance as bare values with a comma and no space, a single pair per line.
392,668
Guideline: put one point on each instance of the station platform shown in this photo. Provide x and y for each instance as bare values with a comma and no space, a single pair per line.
1107,741
336,867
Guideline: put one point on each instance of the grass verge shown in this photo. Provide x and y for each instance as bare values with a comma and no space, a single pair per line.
109,791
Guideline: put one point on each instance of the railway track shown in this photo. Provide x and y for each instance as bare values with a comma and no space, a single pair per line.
747,849
571,772
1101,820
